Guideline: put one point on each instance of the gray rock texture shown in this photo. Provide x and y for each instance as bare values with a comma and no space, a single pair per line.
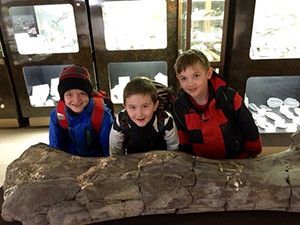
47,186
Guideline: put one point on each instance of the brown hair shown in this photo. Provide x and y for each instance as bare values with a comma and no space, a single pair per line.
140,85
189,58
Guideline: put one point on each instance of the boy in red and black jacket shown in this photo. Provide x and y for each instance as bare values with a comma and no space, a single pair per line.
211,118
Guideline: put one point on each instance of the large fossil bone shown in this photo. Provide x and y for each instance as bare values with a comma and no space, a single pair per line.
47,186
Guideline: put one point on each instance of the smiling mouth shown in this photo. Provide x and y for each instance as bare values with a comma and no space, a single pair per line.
192,90
77,105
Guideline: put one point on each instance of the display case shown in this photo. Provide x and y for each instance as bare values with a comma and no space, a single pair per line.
8,108
133,38
201,26
41,37
121,73
274,103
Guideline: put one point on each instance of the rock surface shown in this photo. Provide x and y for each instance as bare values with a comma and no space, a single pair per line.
47,186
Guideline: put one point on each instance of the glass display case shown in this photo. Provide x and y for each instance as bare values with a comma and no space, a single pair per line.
1,55
201,26
44,29
123,31
274,103
41,37
41,84
8,108
121,73
276,31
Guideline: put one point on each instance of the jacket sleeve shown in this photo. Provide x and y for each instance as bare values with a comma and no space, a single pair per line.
171,134
55,132
105,130
251,142
184,140
116,139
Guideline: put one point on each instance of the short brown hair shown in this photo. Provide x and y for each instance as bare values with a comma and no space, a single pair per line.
189,58
140,85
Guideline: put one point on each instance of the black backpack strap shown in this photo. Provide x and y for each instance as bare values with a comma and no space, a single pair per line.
123,122
161,116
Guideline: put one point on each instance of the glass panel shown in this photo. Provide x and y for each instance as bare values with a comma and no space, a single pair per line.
274,103
276,31
121,73
44,29
1,55
41,83
130,25
207,27
182,23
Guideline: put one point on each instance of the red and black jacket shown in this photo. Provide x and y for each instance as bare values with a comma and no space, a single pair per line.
209,132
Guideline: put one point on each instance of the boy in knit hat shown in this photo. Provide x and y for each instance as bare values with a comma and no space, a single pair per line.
78,137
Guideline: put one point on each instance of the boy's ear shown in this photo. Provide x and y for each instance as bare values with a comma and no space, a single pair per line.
209,73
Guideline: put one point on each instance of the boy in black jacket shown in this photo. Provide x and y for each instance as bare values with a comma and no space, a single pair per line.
142,126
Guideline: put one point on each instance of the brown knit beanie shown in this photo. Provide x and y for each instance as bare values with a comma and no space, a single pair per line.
74,77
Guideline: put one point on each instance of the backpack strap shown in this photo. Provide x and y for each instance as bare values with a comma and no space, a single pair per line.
123,121
61,114
98,113
161,116
123,127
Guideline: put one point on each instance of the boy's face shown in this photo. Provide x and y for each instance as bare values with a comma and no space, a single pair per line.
76,100
194,81
140,108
